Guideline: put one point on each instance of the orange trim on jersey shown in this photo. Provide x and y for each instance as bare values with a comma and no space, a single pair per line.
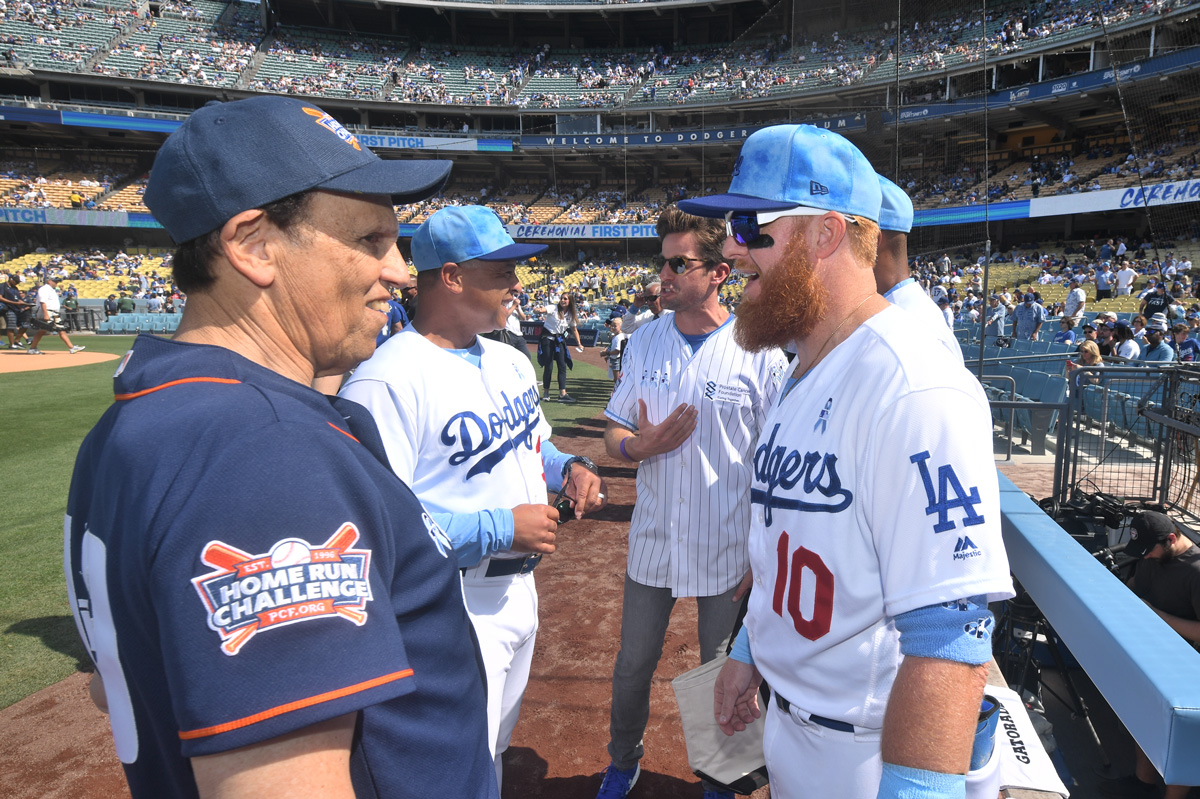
188,735
343,432
173,383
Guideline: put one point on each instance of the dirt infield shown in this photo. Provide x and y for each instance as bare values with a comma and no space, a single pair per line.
22,361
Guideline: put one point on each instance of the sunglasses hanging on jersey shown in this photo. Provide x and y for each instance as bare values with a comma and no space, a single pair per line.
746,228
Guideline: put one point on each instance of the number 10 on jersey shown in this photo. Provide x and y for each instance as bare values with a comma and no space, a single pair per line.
792,575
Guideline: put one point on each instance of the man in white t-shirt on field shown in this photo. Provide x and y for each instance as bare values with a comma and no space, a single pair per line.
46,317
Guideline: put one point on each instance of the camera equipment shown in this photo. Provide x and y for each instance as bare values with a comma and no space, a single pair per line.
1021,628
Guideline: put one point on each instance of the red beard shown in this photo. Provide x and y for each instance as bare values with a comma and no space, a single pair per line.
790,302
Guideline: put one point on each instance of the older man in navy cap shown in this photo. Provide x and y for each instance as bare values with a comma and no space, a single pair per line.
270,609
462,424
867,619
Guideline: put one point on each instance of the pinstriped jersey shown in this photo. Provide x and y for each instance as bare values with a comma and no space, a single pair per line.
692,516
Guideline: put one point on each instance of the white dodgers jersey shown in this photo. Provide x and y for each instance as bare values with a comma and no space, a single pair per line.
874,493
463,437
909,295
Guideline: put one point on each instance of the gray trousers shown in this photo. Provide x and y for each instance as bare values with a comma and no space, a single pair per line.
645,613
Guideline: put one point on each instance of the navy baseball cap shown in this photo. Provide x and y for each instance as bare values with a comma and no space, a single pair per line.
896,212
460,233
230,157
1030,298
787,166
1148,529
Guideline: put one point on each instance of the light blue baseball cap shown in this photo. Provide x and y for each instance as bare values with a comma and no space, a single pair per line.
785,166
896,212
460,233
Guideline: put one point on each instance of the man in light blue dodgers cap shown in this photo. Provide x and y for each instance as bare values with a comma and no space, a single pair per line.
462,424
875,531
892,277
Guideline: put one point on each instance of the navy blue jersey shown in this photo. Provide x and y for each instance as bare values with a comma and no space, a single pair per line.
396,316
264,572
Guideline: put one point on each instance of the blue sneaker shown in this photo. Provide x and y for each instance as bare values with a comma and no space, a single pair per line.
618,782
719,795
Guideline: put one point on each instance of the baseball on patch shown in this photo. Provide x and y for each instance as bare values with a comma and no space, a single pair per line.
290,552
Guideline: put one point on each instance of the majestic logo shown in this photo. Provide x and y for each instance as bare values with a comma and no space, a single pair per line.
291,583
331,124
474,436
817,188
823,419
949,495
965,548
777,468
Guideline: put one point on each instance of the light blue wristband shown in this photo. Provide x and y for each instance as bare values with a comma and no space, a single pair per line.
960,630
902,782
741,647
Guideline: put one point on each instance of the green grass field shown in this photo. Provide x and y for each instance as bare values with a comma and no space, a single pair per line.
49,413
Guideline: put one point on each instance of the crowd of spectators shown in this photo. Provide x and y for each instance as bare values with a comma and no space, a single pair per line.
359,67
328,65
30,187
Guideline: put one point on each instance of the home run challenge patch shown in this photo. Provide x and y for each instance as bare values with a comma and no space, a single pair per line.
293,582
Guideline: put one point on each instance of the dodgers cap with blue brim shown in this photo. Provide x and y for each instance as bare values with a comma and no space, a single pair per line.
231,157
896,210
785,166
461,233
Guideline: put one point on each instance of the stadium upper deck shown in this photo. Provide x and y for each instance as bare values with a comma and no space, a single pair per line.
221,45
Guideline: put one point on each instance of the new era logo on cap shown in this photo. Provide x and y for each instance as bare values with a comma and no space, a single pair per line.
777,169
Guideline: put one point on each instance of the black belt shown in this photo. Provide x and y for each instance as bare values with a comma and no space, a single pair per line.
832,724
503,568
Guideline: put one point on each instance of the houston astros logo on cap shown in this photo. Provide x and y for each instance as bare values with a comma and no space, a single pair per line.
326,121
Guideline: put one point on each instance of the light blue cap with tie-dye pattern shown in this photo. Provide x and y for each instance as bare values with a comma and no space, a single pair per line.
785,166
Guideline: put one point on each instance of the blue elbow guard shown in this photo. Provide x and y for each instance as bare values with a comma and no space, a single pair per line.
960,630
902,782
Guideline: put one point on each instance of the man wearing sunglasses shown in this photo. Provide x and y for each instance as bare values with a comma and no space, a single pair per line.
875,536
647,307
688,409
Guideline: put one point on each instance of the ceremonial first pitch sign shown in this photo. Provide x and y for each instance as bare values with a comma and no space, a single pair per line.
291,583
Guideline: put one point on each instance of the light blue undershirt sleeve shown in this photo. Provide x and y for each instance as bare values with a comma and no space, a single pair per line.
553,462
741,647
960,630
476,536
902,782
905,281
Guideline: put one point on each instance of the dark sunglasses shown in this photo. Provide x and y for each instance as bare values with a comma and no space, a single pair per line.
746,228
678,264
